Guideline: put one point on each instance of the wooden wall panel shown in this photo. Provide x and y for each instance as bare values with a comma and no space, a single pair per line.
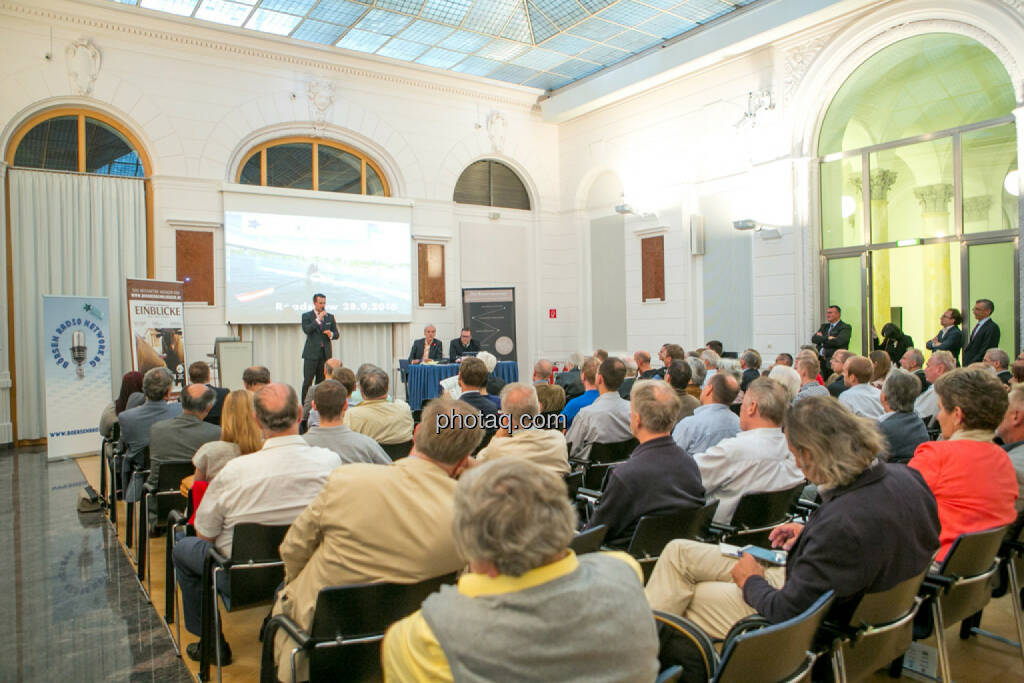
194,260
431,274
652,258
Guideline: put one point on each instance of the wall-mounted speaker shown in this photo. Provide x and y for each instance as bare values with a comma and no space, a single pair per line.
696,235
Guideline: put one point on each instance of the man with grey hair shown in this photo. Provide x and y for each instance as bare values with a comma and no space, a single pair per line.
927,404
271,486
710,359
178,439
569,379
545,447
913,362
386,422
757,459
999,360
750,363
370,523
806,366
513,525
427,348
902,428
542,371
137,422
658,478
713,420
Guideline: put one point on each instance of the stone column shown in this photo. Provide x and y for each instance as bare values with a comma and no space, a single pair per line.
936,287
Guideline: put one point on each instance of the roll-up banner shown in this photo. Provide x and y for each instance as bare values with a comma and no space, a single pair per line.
156,318
78,381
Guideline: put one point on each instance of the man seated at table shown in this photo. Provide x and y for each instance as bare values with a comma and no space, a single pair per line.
426,347
457,348
386,422
529,608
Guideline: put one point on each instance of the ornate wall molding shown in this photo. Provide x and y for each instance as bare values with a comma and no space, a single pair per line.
798,61
526,102
497,126
321,99
84,64
1017,5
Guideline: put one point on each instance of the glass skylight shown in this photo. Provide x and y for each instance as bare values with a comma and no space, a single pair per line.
223,12
182,8
272,22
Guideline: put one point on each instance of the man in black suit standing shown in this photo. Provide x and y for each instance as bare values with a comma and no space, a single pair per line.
833,335
949,338
320,329
463,345
985,334
426,347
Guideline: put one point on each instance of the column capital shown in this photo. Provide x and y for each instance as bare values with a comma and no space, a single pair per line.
934,198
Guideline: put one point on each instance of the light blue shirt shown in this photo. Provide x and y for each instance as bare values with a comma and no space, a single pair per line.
863,400
708,425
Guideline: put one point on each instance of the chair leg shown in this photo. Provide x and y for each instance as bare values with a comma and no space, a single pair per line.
142,540
896,667
940,641
838,664
169,579
968,625
216,627
1015,597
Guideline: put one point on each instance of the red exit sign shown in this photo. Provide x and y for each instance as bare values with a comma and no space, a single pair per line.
552,313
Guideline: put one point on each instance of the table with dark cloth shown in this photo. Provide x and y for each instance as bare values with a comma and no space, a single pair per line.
424,381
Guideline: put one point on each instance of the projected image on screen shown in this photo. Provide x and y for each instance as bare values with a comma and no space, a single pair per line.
274,264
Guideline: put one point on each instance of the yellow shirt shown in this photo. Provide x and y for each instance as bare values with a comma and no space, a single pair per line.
411,652
384,422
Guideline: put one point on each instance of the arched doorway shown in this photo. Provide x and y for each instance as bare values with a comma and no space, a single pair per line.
919,191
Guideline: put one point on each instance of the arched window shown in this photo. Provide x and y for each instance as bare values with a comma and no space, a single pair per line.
491,183
311,164
919,188
78,141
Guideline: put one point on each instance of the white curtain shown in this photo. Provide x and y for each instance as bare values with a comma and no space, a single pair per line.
279,347
76,235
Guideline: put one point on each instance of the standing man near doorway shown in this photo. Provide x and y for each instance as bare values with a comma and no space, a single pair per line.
985,334
320,329
833,335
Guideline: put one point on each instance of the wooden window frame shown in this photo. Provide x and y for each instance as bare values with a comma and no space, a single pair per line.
364,161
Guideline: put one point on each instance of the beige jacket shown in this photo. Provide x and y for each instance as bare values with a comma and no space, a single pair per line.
544,447
369,523
384,422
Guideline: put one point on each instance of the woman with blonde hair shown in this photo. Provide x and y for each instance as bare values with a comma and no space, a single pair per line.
239,435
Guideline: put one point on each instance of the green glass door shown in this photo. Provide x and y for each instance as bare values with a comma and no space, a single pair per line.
844,290
991,275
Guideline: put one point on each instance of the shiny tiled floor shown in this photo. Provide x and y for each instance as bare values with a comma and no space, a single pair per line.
72,609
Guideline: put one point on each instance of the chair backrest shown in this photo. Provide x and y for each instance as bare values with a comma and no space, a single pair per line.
970,559
612,452
653,532
597,476
255,544
764,510
588,541
884,625
573,482
362,612
397,451
167,487
774,653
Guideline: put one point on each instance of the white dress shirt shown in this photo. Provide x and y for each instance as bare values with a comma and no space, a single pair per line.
864,400
927,404
753,461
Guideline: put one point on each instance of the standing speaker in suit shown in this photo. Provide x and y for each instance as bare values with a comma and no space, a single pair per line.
985,334
949,338
833,335
320,329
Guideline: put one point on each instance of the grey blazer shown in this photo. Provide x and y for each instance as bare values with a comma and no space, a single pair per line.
904,432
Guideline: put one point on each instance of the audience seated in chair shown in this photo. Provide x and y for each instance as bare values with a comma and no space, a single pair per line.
643,366
199,373
757,460
1011,432
999,361
973,479
329,399
373,523
631,376
473,380
712,421
529,608
788,378
913,362
130,396
544,447
137,422
542,371
606,420
850,544
347,378
307,401
927,404
240,434
354,397
860,397
658,478
551,397
588,376
271,486
835,382
750,364
383,421
679,375
255,378
806,366
570,378
710,358
902,428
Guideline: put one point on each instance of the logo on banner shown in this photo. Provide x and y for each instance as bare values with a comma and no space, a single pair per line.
84,340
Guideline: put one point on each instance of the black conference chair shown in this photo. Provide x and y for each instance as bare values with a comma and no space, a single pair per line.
109,484
348,626
573,482
756,515
397,451
654,532
961,587
588,541
250,577
612,452
161,500
752,651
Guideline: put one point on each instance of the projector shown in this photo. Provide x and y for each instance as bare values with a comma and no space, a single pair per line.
745,224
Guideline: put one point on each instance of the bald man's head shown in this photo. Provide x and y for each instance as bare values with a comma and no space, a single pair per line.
277,409
330,365
197,400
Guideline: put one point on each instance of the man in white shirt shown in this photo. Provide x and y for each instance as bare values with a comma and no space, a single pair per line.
544,447
860,397
606,420
757,460
927,404
271,486
713,420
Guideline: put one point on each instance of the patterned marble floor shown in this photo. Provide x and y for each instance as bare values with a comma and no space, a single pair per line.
73,610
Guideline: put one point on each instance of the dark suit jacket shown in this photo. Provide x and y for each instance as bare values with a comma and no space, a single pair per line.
494,387
749,375
841,340
218,405
627,386
837,387
456,349
924,383
571,382
316,341
951,341
904,432
986,337
480,402
653,373
1004,376
177,440
436,350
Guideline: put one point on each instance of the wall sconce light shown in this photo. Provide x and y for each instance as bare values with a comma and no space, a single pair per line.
765,231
